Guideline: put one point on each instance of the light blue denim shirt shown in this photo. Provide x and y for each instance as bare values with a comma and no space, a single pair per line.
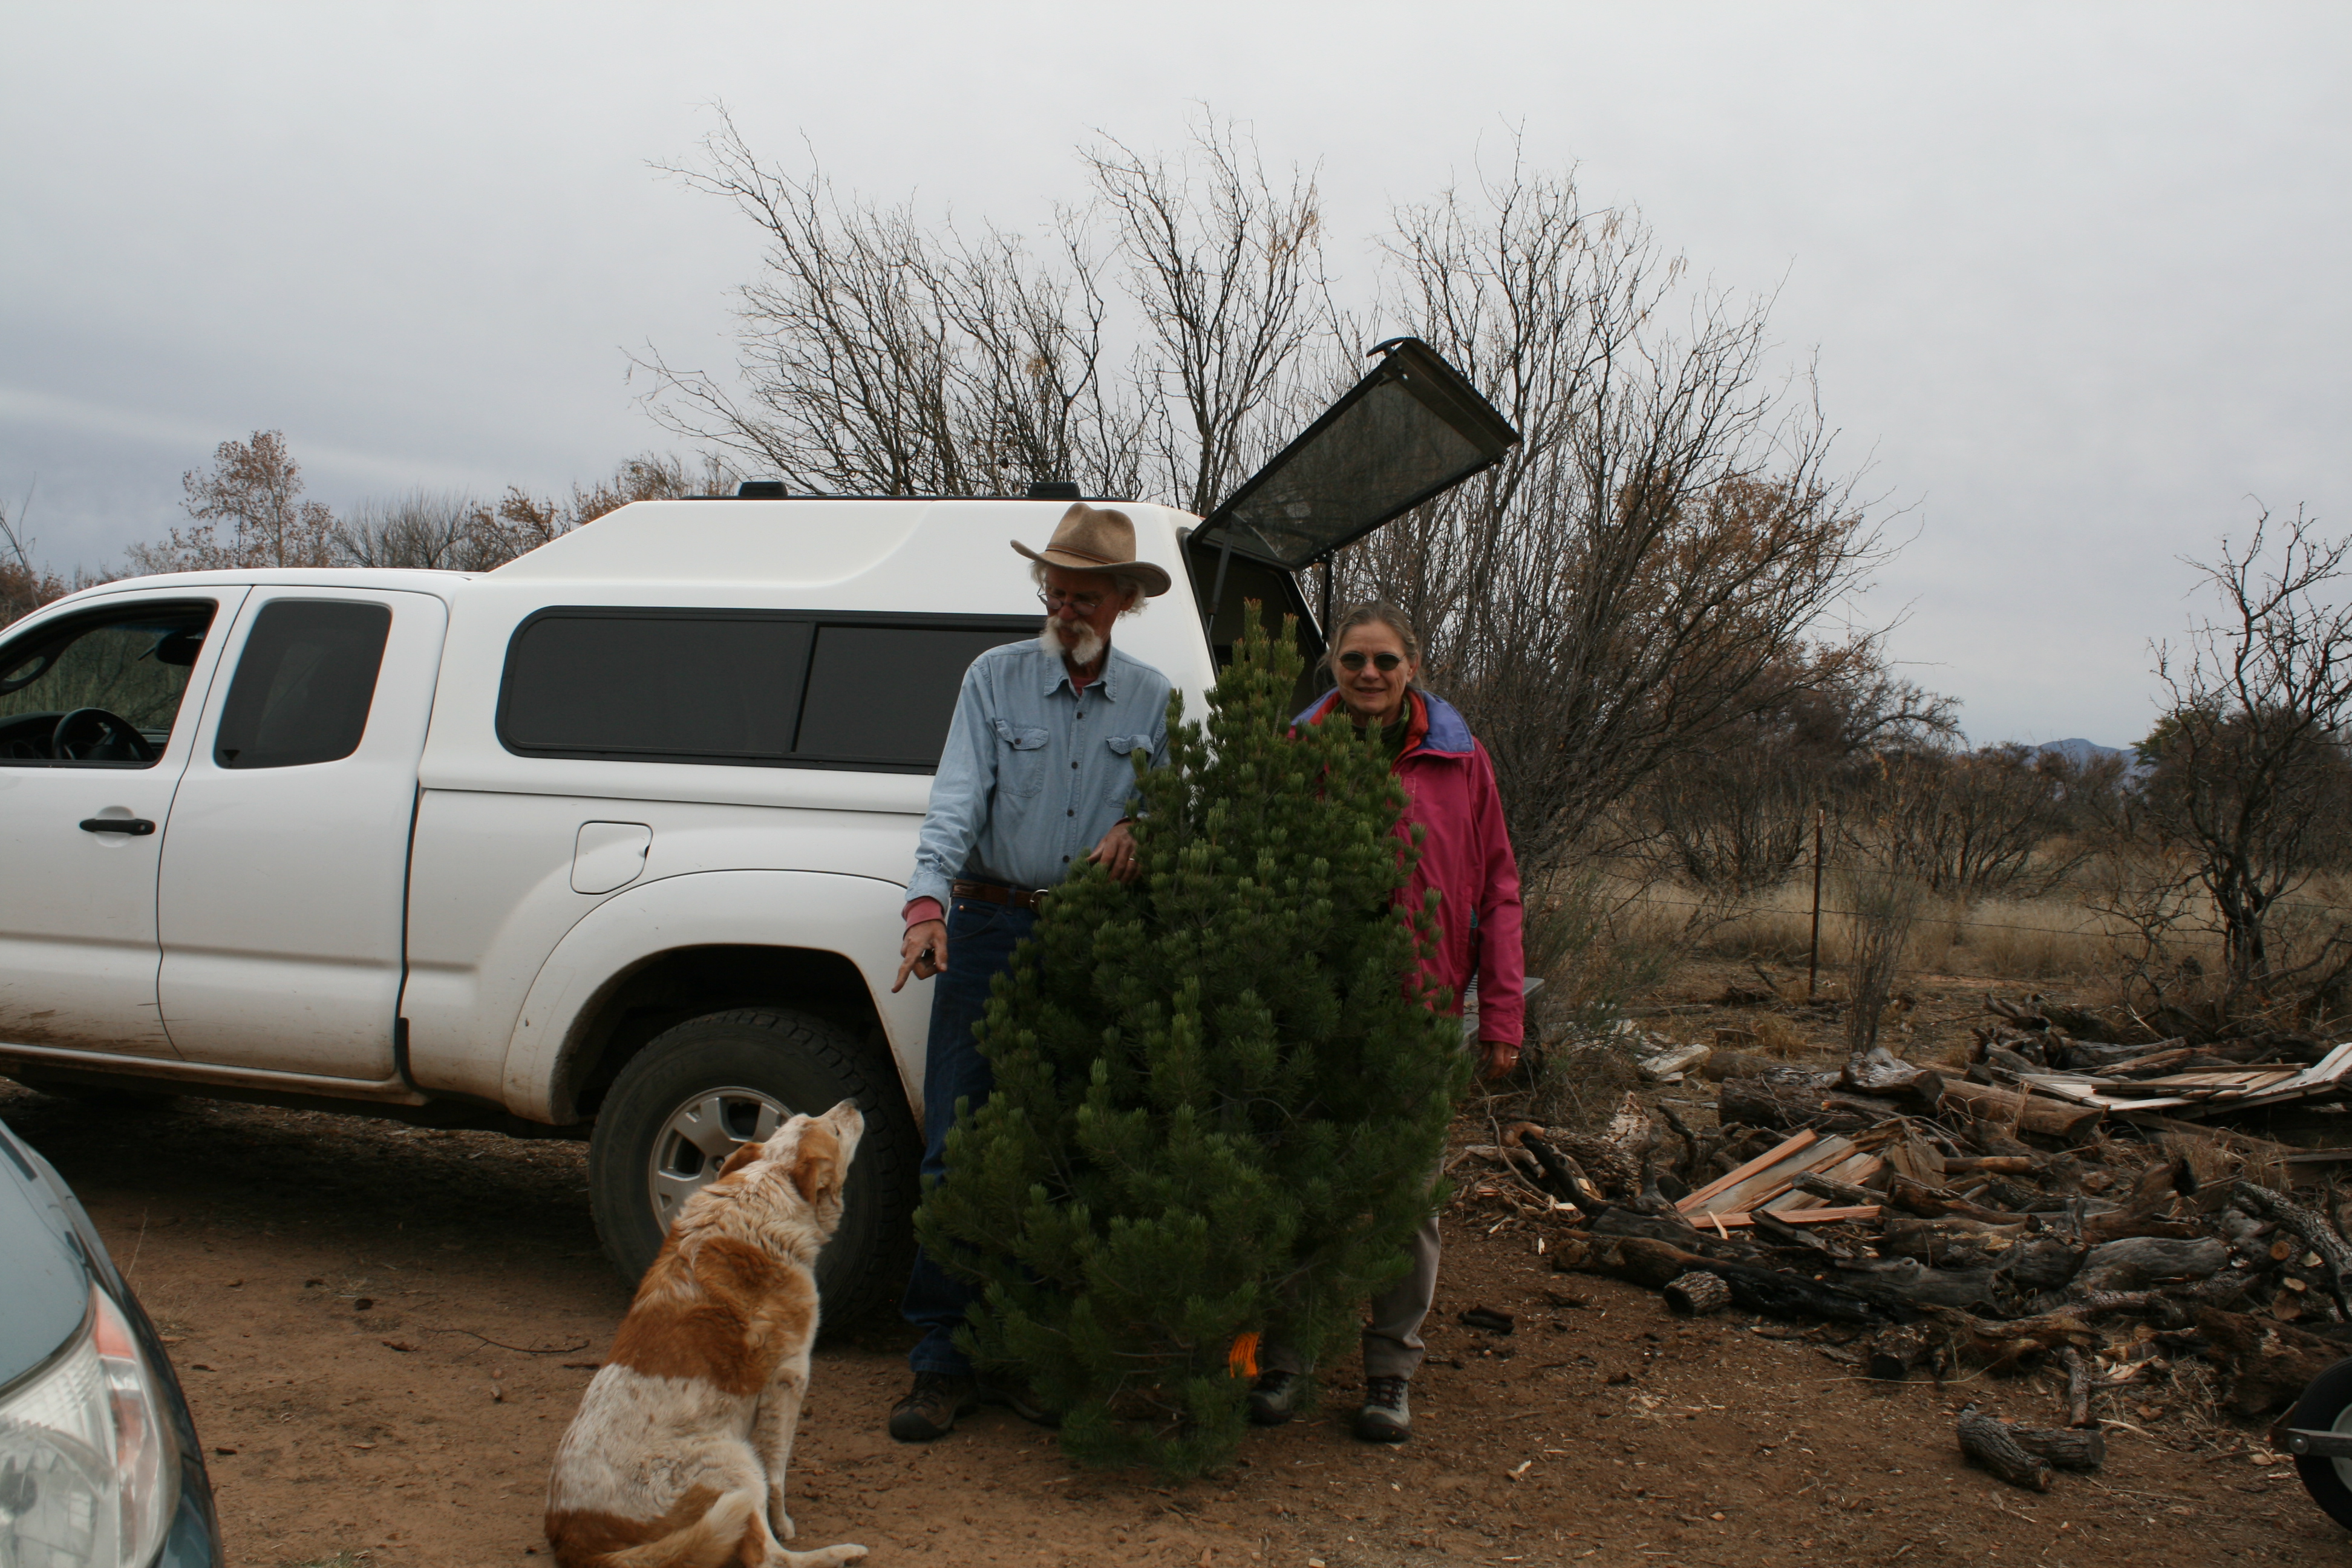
1035,774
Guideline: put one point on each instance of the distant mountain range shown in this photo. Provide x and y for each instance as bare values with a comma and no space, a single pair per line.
2082,753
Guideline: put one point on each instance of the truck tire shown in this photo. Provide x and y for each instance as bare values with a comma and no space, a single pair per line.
699,1087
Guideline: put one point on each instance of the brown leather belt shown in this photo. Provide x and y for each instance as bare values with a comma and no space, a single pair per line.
997,893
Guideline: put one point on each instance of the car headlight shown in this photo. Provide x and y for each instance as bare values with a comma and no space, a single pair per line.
89,1474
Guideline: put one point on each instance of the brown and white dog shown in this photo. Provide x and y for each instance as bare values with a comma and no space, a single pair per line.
677,1457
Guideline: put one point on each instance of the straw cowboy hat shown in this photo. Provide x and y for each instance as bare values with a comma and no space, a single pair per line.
1095,539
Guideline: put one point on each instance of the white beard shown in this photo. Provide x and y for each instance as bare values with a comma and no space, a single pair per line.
1081,647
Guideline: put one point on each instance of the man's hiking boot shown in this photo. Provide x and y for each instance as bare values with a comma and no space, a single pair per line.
1274,1398
1385,1418
1015,1395
933,1406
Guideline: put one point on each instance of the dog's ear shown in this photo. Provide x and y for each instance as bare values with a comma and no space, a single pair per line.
818,1168
744,1154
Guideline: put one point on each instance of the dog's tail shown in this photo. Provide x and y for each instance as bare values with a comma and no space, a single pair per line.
707,1543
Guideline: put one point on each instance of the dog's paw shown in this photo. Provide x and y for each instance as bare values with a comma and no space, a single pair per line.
780,1519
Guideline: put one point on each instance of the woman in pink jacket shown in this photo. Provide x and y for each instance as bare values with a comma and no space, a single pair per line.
1465,854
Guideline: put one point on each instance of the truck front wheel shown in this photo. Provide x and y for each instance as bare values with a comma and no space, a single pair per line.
698,1089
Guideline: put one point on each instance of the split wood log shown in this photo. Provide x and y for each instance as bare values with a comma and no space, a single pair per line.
1695,1295
1562,1176
2068,1449
2091,1303
1611,1166
1935,1203
2271,1361
2033,1112
2334,1257
1990,1165
1844,1193
1988,1443
1881,1072
2078,1387
1894,1353
2138,1262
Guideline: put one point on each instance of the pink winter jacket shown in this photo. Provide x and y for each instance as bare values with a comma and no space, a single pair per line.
1450,793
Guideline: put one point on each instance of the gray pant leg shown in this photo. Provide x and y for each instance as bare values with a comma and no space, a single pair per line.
1392,1346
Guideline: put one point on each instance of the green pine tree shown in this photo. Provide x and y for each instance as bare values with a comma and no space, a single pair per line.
1220,1102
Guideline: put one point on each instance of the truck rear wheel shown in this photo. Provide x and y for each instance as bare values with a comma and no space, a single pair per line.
698,1089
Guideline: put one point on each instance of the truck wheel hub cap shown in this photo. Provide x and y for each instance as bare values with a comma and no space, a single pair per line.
696,1138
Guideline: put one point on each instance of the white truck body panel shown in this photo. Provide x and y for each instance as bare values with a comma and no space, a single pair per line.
485,898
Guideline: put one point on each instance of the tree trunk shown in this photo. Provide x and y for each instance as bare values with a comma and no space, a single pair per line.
2034,1113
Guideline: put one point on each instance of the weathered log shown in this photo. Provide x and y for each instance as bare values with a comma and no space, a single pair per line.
1843,1194
1894,1354
1943,1242
1695,1295
1967,1289
1990,1165
1935,1203
2091,1303
1769,1101
2078,1387
2068,1449
1768,1291
1881,1072
1729,1064
2000,1344
2041,1263
2334,1257
1988,1442
2138,1262
2271,1360
1677,1232
1562,1176
2033,1112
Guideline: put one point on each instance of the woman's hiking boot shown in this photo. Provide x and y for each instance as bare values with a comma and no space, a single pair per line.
1385,1418
1274,1398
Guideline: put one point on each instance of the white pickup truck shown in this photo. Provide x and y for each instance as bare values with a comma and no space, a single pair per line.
610,842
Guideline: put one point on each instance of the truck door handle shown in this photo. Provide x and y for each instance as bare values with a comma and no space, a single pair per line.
136,826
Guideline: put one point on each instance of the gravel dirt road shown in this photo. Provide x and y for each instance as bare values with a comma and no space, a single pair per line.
384,1332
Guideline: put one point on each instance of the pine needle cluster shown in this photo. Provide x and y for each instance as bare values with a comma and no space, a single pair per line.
1220,1091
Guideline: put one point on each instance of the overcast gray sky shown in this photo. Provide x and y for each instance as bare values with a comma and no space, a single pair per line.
2074,276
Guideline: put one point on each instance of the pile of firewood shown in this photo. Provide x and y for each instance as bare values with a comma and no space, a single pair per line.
1935,1225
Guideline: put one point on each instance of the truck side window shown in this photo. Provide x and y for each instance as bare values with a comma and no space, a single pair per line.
304,684
791,688
129,663
675,688
885,694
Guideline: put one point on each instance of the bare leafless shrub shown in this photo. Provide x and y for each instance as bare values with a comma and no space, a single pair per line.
882,356
2248,799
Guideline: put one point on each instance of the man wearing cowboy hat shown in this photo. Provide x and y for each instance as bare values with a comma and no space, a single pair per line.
1037,775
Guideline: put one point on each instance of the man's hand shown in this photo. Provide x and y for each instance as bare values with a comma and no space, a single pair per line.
1497,1058
1117,851
924,953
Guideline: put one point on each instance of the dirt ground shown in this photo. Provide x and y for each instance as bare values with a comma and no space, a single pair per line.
384,1332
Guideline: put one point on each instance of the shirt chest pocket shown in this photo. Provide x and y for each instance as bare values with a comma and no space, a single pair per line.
1119,786
1020,757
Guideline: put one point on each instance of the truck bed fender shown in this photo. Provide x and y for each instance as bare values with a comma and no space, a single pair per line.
857,917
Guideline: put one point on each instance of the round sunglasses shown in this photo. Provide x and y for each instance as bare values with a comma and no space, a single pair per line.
1353,661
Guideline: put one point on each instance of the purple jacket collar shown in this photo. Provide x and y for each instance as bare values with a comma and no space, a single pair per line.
1448,736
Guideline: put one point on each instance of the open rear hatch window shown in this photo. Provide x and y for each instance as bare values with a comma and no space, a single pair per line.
1411,429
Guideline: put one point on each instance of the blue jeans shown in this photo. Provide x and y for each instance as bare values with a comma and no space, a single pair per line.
981,940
